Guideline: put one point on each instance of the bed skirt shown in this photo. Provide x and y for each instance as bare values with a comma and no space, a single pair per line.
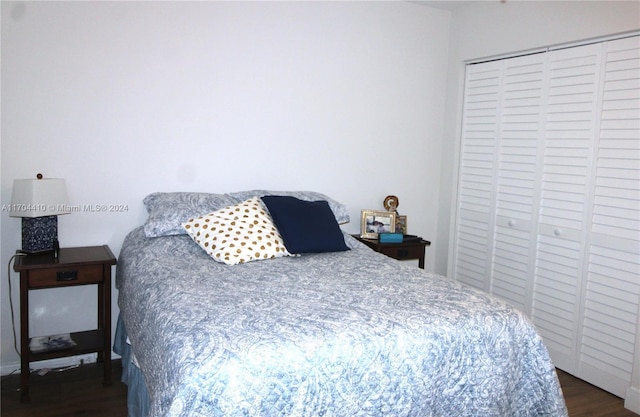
137,395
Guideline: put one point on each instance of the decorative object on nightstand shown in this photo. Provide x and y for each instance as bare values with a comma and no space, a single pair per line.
391,203
390,237
73,266
39,201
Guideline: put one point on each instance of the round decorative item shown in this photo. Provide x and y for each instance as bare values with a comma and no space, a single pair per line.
391,203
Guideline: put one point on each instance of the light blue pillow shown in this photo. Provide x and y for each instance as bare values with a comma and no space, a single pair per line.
167,211
339,210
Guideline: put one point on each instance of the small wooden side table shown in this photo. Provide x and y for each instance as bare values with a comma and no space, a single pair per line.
73,266
411,249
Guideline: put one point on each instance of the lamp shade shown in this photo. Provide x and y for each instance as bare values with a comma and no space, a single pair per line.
39,198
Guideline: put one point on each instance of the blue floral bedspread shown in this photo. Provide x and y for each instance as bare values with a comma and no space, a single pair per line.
340,334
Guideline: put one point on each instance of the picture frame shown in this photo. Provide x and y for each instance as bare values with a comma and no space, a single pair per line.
373,222
401,224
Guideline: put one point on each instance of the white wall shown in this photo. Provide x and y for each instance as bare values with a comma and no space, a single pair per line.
125,98
488,29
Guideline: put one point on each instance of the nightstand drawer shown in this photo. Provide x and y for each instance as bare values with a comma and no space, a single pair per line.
55,277
404,252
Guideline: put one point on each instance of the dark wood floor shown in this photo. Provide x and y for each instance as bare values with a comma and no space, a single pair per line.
75,392
585,400
79,392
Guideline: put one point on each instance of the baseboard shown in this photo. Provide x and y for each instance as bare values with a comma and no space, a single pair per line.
54,363
632,400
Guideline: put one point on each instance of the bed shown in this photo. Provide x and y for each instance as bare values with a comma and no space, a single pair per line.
345,332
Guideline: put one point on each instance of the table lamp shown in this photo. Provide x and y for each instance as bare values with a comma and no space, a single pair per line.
39,202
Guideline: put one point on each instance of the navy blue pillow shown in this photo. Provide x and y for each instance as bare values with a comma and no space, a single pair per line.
305,226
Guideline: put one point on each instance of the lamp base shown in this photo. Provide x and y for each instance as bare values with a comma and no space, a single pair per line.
39,234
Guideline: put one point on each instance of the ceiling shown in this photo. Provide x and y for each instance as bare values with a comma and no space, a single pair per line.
449,4
444,4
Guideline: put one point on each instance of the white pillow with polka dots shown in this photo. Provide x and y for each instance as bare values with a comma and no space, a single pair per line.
236,234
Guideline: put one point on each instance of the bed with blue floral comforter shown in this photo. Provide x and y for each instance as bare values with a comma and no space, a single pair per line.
350,333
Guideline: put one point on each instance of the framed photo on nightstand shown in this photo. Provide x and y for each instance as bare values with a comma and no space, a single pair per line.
401,224
373,222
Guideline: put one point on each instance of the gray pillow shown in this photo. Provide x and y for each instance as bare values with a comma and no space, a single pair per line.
167,211
339,210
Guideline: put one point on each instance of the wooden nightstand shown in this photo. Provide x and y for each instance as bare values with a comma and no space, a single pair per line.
413,249
74,266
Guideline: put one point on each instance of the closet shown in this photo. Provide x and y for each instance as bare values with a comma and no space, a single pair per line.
548,199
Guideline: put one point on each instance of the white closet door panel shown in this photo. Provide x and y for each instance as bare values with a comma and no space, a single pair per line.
476,174
559,195
573,79
570,119
621,226
472,251
562,214
555,305
511,258
569,134
617,185
568,169
611,312
612,291
622,95
522,100
607,353
519,131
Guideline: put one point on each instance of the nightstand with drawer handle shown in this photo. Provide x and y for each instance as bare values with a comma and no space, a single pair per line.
408,249
74,266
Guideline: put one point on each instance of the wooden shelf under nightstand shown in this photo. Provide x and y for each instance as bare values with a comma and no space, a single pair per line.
89,265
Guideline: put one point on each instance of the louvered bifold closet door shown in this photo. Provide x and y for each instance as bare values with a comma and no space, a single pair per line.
548,214
573,77
498,173
612,292
520,139
476,182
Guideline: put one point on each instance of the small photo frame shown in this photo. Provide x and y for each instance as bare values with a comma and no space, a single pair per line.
374,222
401,224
